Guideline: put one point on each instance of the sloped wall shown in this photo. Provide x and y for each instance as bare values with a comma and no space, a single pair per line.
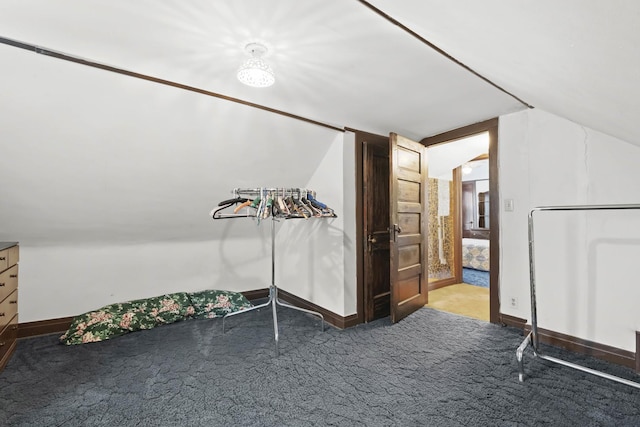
586,263
108,182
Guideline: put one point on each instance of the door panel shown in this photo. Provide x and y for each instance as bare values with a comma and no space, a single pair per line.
409,222
408,256
407,214
376,230
409,288
409,191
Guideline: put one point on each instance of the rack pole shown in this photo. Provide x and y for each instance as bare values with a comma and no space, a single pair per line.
273,296
273,289
273,251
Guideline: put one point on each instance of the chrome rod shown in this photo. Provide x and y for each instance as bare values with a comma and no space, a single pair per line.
273,252
256,307
315,313
589,370
277,190
532,285
274,297
520,356
586,207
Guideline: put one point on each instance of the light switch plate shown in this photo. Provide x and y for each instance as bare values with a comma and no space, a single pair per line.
508,205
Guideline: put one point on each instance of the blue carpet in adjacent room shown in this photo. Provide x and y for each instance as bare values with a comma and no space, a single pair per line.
475,277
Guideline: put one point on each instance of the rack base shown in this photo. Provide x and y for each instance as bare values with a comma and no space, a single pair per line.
273,302
529,340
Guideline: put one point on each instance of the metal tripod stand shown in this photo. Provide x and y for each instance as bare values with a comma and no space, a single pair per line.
273,295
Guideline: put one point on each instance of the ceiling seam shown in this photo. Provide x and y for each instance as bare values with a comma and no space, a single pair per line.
440,51
94,64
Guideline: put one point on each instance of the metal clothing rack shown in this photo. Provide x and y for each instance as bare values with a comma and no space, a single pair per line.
533,338
273,300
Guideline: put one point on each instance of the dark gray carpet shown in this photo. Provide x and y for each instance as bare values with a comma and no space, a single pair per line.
431,369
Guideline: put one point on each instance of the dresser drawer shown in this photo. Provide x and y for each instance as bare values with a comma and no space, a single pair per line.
4,259
8,337
9,257
8,309
8,281
14,255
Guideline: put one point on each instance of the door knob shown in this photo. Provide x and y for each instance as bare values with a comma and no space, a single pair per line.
371,240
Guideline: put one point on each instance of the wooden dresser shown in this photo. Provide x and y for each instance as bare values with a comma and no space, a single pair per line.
9,254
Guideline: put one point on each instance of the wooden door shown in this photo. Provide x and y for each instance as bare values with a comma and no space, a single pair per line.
468,208
408,217
376,229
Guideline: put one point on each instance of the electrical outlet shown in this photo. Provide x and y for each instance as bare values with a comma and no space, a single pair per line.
513,302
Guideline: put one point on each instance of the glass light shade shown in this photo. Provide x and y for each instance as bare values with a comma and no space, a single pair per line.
256,73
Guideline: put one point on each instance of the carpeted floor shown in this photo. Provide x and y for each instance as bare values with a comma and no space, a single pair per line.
430,369
475,277
463,299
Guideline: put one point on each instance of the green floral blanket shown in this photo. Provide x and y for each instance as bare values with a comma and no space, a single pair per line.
118,319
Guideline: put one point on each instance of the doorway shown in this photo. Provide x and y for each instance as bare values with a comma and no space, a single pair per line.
458,226
371,297
476,210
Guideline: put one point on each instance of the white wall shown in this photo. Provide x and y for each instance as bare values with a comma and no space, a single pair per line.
317,256
108,182
585,263
349,223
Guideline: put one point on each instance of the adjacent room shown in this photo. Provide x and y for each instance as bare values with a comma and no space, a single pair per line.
303,213
459,226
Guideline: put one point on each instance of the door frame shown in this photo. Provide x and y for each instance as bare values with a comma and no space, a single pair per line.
490,126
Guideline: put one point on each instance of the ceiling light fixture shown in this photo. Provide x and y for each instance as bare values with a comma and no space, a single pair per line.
467,169
255,72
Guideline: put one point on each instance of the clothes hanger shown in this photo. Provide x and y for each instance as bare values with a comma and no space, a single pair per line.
268,206
282,205
246,203
325,210
217,213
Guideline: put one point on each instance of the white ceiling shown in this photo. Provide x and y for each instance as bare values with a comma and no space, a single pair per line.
444,158
338,62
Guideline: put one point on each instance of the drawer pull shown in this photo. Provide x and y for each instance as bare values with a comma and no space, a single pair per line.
13,276
1,314
1,344
13,302
3,258
1,285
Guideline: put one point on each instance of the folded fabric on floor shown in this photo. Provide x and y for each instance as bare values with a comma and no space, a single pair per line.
209,304
121,318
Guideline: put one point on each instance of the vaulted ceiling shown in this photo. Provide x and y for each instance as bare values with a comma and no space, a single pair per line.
346,62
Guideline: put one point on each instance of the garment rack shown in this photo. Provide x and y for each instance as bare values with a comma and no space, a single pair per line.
273,300
533,337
